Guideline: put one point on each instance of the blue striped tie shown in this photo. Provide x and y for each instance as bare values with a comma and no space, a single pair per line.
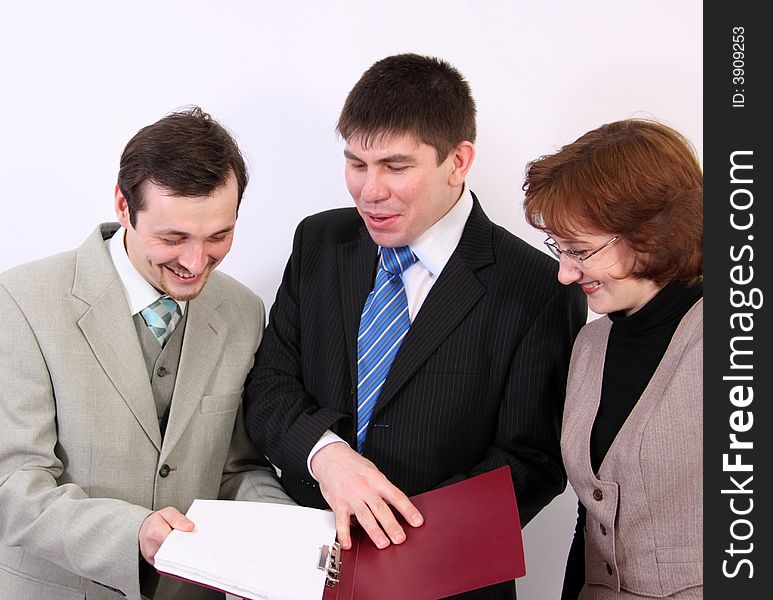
383,325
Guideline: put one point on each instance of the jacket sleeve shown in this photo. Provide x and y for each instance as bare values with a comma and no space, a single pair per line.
247,474
534,400
282,418
40,510
528,431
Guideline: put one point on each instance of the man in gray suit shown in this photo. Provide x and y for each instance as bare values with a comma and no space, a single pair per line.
122,365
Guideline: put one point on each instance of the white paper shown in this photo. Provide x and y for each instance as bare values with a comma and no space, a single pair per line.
251,549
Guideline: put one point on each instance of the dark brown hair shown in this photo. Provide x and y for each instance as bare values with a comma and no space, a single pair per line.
187,152
410,94
635,178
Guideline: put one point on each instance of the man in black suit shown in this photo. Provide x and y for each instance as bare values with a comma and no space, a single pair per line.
476,382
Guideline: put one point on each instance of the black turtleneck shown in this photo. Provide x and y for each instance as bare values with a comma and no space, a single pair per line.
635,347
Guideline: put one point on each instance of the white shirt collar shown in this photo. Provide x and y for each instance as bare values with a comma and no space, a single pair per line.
436,245
139,293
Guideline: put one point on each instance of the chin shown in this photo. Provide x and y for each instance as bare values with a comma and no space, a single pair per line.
181,292
183,295
388,241
601,308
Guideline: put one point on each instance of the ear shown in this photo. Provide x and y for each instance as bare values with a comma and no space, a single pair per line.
121,208
461,161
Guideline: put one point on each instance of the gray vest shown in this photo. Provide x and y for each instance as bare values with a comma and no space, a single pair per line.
162,364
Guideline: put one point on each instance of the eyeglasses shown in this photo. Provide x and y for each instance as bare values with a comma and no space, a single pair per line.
579,256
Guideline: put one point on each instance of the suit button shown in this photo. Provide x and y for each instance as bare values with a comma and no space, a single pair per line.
597,495
603,530
164,470
608,568
162,371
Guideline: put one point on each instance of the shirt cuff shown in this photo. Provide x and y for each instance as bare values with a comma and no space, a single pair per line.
327,438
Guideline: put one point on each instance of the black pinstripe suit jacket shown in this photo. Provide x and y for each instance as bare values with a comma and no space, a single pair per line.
477,383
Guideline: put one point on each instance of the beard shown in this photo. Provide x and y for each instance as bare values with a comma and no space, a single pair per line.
173,291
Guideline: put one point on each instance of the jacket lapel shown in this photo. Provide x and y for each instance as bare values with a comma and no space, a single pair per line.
109,329
655,391
204,337
356,273
451,298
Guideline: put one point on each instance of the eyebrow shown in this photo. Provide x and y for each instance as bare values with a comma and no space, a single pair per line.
392,158
569,240
186,234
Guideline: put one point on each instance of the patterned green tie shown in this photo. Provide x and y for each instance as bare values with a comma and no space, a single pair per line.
161,316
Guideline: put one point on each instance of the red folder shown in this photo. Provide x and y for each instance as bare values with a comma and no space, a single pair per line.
471,538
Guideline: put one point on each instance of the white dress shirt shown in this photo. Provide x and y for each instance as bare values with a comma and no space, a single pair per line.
433,249
139,293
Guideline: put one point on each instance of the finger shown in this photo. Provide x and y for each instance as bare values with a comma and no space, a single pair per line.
405,507
152,532
387,521
370,525
156,529
342,529
176,519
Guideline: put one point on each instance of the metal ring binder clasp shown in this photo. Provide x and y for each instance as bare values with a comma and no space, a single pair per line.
330,562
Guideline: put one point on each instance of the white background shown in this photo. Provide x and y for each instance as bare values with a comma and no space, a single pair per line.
78,79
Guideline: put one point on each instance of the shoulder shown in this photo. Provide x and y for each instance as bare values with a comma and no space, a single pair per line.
690,333
57,273
238,306
691,324
595,331
589,345
510,252
336,217
41,277
529,274
333,226
222,286
509,247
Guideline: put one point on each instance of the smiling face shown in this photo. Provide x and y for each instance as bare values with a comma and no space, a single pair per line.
604,277
178,241
398,187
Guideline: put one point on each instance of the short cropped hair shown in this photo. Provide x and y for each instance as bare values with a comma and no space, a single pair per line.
410,94
187,152
635,178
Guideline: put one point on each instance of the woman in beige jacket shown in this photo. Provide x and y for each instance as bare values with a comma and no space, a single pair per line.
623,209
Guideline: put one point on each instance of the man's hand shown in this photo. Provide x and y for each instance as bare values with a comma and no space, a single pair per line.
156,526
353,486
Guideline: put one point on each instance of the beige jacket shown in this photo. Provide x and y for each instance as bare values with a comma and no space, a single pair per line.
644,527
82,462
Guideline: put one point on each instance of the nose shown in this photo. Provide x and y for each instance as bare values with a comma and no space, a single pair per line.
374,189
568,270
194,257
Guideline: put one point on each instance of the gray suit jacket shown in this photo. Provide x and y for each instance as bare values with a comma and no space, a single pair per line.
644,523
82,461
